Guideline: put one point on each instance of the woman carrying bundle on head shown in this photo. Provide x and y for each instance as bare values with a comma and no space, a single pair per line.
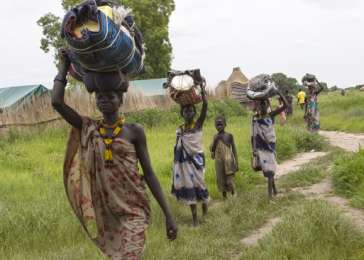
312,115
101,175
188,184
260,89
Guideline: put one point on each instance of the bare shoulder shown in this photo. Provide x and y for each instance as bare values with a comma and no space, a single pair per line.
230,136
135,128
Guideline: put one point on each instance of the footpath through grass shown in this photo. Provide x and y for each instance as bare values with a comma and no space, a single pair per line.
36,221
338,113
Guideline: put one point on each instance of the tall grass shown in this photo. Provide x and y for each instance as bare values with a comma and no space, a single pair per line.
36,221
348,174
313,230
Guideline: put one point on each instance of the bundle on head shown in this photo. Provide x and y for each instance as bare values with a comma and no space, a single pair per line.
261,87
106,81
102,38
184,86
309,80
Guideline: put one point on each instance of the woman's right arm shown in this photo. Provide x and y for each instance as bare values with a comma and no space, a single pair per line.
60,82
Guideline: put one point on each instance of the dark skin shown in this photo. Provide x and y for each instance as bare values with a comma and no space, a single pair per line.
189,113
262,109
227,138
109,103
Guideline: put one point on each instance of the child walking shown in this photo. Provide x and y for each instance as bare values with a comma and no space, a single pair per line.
223,151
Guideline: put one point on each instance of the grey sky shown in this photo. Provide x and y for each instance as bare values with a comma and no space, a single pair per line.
324,37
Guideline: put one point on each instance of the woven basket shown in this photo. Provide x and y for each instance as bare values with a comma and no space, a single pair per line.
189,91
185,97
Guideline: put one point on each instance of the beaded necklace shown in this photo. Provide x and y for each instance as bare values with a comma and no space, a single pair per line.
187,127
108,140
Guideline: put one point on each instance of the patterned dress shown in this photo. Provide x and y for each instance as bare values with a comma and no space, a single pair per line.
110,201
225,167
264,143
313,115
188,168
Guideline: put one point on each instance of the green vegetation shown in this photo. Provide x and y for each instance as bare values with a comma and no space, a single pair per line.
348,174
338,113
313,230
36,221
309,174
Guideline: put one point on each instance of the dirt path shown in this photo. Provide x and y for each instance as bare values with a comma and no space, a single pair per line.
283,169
257,235
297,162
348,142
323,190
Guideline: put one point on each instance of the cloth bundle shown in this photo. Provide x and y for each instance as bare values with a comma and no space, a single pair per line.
261,87
183,86
102,38
309,80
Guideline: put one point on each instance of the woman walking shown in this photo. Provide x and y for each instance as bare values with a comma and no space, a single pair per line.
189,161
263,132
101,175
312,114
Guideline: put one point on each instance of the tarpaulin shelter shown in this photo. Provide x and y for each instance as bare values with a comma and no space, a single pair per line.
11,97
149,87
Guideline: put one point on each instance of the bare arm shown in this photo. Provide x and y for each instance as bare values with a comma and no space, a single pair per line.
69,114
214,144
281,108
201,119
152,181
321,88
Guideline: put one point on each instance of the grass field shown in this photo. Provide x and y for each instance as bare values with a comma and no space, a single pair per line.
36,221
339,113
348,175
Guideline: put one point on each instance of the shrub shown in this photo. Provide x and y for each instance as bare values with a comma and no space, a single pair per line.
348,174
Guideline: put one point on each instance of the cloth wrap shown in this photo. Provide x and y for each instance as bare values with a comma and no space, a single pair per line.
111,203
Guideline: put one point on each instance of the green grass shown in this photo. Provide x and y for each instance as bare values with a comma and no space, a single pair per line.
313,230
348,175
311,173
338,113
36,221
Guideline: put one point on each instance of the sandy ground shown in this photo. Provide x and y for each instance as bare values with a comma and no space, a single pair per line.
322,190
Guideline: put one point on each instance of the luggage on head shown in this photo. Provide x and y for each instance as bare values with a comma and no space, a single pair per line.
185,86
102,37
261,87
309,80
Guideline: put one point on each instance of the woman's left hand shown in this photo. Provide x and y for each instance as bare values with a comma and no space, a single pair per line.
172,229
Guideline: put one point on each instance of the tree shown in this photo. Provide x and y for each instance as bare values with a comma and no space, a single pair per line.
285,83
152,18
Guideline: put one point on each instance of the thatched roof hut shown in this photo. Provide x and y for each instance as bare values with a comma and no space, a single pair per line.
234,87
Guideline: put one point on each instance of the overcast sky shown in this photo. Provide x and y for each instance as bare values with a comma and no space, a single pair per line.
324,37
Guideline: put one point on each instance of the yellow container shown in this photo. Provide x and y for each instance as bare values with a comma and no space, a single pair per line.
92,25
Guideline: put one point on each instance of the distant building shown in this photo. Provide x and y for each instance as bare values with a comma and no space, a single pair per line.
234,87
11,97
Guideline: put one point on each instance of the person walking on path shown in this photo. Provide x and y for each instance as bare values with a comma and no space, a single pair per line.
263,133
312,115
301,97
101,172
188,182
223,151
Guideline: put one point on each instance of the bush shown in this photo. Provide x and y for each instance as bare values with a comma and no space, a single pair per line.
348,174
157,117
